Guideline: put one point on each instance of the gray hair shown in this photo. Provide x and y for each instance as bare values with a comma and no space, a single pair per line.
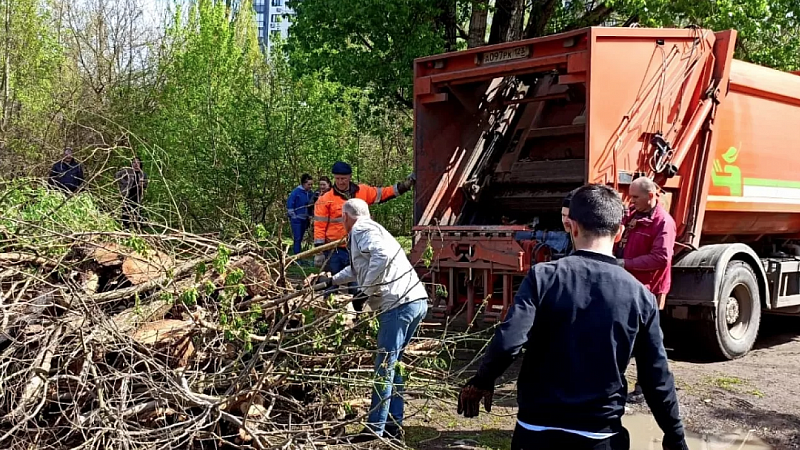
355,208
646,185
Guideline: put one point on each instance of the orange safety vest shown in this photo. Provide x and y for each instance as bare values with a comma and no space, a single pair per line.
328,224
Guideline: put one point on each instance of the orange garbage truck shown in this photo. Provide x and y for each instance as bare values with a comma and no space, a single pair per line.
502,133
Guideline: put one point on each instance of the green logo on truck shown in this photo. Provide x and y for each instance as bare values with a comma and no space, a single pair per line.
728,175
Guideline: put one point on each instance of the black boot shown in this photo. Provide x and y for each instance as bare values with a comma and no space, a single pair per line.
636,397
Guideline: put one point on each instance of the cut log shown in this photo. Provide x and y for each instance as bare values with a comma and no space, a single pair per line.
256,278
140,269
171,337
162,331
108,254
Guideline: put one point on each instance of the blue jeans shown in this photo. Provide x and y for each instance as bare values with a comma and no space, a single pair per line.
299,228
397,327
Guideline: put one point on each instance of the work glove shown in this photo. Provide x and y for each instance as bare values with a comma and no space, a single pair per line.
405,185
674,444
358,301
324,279
319,260
469,400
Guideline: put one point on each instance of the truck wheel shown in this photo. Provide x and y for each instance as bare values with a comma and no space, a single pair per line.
732,334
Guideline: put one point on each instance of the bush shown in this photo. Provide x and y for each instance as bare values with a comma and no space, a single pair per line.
43,214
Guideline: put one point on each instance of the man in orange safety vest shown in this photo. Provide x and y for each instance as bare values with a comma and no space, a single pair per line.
328,225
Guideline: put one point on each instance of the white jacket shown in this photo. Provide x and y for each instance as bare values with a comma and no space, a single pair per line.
379,266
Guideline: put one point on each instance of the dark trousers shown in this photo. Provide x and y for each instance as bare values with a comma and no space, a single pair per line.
337,260
299,227
131,216
559,440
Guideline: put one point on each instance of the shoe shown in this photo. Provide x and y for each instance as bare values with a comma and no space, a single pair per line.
365,435
635,398
394,432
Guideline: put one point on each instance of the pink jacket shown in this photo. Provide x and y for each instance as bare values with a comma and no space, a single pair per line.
648,243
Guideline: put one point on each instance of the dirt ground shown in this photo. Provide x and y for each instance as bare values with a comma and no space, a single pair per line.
751,399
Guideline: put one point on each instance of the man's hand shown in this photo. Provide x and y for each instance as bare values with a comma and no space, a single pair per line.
469,400
322,277
621,262
358,301
406,185
319,260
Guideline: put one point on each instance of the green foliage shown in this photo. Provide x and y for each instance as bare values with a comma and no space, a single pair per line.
33,56
136,244
189,297
371,44
222,259
44,214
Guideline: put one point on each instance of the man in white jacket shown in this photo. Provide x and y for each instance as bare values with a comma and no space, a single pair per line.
390,287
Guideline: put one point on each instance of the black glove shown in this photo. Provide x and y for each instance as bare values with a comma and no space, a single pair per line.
358,301
405,185
674,444
324,279
469,400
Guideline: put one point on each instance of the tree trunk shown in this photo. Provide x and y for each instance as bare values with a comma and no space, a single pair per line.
592,18
507,21
541,12
477,23
6,68
447,20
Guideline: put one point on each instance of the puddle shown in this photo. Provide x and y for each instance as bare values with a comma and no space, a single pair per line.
645,435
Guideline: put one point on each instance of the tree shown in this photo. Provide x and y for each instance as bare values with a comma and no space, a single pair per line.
371,44
30,62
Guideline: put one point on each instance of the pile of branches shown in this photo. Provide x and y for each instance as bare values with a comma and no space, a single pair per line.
112,339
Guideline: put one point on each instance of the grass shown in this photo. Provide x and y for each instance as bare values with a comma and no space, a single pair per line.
486,439
730,384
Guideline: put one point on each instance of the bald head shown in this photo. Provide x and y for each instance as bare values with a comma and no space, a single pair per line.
644,194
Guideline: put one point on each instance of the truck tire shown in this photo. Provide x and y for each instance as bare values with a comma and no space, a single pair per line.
734,329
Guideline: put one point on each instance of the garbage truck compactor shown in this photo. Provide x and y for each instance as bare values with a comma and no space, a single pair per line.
502,133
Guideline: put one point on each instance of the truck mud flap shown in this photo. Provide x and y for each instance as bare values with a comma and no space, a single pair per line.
697,277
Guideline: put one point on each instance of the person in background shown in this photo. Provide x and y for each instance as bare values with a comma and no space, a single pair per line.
297,207
324,185
67,174
132,183
328,226
646,247
391,288
581,319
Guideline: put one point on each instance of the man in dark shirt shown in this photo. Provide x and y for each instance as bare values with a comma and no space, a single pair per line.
132,183
67,174
580,318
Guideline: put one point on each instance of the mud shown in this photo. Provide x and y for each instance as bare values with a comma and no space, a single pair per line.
645,435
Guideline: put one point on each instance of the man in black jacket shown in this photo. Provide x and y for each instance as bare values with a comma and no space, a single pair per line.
580,319
67,174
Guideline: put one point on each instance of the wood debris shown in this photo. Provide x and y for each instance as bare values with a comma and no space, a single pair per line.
173,344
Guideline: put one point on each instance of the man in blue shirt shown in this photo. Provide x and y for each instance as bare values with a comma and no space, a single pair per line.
581,319
67,174
297,208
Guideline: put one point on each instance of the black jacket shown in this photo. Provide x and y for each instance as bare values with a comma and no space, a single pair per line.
578,319
67,176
